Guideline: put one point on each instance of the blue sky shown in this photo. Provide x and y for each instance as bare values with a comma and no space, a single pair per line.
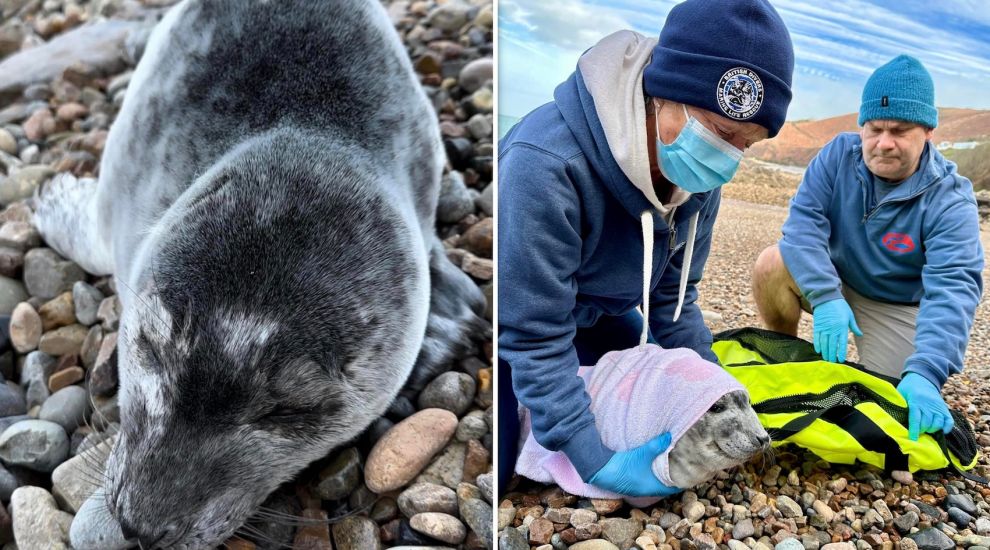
837,45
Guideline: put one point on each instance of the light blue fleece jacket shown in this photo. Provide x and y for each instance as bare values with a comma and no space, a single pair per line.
919,244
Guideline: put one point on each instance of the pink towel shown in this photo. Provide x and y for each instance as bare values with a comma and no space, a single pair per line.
636,394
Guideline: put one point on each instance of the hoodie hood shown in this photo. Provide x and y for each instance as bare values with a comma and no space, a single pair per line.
604,105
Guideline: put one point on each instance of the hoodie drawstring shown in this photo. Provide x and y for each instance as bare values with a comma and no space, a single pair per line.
646,219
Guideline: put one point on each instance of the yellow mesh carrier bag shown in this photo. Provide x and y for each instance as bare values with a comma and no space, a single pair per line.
840,412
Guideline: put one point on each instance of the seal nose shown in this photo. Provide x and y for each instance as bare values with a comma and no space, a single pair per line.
763,440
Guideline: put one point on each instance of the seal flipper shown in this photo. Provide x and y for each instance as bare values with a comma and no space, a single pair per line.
455,323
66,216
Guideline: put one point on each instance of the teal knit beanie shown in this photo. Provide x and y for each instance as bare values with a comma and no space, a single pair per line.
900,90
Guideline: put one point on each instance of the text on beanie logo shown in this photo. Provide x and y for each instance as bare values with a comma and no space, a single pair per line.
740,93
898,242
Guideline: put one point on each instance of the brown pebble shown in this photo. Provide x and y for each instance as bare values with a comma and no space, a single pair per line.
58,312
71,111
238,544
407,448
479,268
313,536
65,378
63,340
478,239
40,124
476,461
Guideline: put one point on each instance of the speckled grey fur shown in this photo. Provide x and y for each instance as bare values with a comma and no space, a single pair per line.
726,436
266,204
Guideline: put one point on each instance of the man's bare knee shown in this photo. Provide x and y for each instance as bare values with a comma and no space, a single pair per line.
769,269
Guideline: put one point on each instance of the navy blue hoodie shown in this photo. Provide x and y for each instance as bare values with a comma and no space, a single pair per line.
570,249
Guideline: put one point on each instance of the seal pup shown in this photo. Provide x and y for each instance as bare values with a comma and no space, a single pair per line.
726,436
266,205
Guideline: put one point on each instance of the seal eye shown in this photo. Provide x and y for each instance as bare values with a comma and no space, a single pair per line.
717,408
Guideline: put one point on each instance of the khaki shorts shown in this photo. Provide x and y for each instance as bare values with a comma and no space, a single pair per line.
888,332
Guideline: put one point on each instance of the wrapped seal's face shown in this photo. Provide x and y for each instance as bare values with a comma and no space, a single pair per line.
727,435
215,415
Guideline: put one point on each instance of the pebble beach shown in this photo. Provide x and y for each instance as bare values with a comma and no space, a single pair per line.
420,477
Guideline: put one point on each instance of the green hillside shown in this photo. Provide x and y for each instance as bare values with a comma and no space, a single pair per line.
973,163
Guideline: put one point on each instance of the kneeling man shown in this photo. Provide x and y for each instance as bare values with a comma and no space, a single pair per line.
883,239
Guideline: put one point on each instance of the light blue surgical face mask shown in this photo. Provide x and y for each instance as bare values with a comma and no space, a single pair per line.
698,160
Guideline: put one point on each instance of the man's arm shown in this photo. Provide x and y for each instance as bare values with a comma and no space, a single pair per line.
804,245
539,252
690,330
953,283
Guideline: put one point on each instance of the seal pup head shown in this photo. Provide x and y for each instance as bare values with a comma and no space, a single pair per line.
727,435
274,323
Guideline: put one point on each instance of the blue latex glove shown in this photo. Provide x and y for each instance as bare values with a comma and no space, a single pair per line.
631,472
927,411
833,321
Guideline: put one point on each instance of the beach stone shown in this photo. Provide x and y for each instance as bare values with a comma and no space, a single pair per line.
12,292
905,522
74,480
453,391
824,511
983,526
63,340
25,328
23,183
540,531
109,312
477,514
38,367
356,533
962,501
447,468
103,376
8,484
86,299
46,274
485,483
8,144
743,529
959,517
902,476
621,532
471,426
449,17
693,511
19,235
788,507
38,523
427,497
443,527
597,544
65,378
12,400
93,528
830,546
485,201
313,536
455,202
475,74
100,46
11,262
67,407
38,445
884,511
405,450
478,239
57,312
91,346
932,539
340,476
511,539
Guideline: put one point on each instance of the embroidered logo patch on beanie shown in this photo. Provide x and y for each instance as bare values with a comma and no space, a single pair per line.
740,93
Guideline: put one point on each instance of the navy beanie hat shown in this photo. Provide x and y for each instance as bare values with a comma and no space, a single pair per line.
731,57
900,90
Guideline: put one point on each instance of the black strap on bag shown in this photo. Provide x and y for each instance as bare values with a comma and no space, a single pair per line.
857,424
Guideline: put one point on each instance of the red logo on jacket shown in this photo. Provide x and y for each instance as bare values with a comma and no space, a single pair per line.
901,243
